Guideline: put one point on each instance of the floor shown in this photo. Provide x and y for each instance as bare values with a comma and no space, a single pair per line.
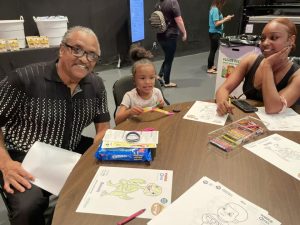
188,72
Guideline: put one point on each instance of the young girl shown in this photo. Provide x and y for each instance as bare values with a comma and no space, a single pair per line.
144,94
216,24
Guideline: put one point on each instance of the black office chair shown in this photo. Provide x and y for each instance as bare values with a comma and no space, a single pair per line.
125,84
4,198
295,59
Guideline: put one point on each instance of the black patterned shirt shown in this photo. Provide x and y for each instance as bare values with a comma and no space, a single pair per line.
35,105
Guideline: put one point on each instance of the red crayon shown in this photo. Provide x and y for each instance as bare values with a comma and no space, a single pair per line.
129,218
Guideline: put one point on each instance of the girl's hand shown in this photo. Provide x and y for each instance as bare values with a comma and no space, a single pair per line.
161,103
136,110
229,17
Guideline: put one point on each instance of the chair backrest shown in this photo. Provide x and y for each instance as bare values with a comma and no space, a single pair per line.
125,84
295,59
4,198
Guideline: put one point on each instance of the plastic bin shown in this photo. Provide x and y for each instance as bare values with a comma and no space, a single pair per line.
236,134
54,28
231,51
13,29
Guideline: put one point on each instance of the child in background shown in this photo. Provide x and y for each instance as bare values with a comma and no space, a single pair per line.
144,94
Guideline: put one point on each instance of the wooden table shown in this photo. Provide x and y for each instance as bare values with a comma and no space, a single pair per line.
183,148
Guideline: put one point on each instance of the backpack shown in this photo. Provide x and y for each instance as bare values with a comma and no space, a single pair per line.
157,21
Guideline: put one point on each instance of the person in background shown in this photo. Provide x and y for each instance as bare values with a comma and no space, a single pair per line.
50,102
168,39
144,94
216,26
270,77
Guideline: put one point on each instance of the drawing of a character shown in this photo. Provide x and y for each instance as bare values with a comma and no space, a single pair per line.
230,69
208,113
285,153
227,214
125,187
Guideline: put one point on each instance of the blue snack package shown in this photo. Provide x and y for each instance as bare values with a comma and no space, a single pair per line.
124,154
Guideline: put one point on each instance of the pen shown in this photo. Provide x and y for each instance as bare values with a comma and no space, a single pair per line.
129,218
229,103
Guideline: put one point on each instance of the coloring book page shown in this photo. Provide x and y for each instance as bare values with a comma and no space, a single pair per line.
205,112
124,191
207,203
288,120
279,151
240,198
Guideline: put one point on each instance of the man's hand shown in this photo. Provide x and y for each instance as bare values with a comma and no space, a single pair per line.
14,175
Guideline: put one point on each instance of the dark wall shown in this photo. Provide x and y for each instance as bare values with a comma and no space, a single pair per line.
110,21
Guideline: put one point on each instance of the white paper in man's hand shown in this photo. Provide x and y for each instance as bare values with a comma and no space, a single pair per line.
50,166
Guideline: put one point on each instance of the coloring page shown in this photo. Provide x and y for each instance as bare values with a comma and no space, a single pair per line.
288,120
205,112
124,191
207,203
279,151
240,198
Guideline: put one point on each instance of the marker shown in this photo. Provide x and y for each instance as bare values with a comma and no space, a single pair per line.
229,103
133,216
163,111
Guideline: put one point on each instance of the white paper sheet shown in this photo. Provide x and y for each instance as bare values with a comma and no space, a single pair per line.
207,203
49,165
205,112
117,138
124,191
279,151
245,201
289,120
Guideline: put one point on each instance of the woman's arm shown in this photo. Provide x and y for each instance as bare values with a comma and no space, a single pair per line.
275,101
180,24
225,19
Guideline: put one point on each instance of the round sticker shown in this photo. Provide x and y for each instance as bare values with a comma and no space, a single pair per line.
156,208
164,200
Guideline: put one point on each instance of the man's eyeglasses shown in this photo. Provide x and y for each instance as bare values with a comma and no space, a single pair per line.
79,52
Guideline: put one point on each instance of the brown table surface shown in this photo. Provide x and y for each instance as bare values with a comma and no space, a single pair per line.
183,147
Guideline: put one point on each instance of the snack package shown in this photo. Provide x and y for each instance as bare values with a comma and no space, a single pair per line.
12,44
3,45
124,154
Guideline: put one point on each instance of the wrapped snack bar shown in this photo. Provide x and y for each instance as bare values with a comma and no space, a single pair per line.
124,154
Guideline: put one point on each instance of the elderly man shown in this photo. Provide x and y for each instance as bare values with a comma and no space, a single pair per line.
50,102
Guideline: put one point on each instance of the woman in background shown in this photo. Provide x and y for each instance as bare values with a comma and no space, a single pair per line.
270,77
168,39
216,27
